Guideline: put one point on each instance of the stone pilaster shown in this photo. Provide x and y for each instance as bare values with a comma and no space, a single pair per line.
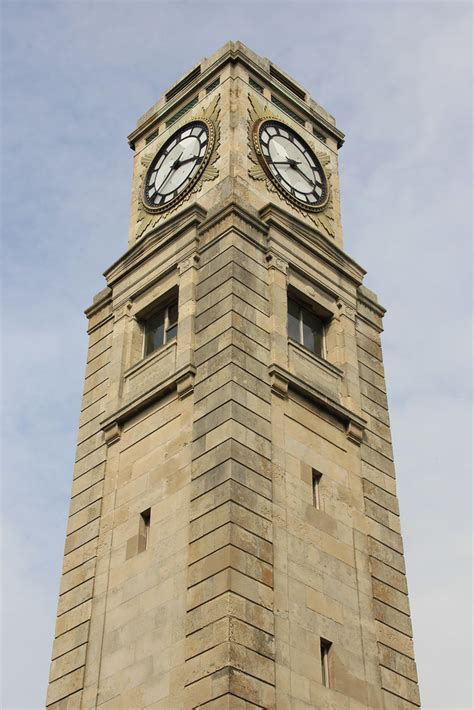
78,581
399,680
230,634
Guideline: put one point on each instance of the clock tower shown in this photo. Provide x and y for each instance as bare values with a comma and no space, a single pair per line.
234,538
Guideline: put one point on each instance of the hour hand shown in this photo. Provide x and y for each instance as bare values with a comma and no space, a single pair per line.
292,163
188,160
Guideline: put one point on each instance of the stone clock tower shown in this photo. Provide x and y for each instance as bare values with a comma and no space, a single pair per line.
234,538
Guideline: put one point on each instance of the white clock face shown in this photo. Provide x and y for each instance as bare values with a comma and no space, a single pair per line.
291,164
177,165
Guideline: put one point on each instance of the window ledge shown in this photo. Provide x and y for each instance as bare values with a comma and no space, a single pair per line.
283,380
316,359
157,354
181,380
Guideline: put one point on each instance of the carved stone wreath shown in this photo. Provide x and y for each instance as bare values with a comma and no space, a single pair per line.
322,219
148,219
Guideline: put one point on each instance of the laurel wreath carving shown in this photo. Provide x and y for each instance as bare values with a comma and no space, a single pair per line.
323,219
147,219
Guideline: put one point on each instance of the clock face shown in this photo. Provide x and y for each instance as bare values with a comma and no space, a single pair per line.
291,164
177,165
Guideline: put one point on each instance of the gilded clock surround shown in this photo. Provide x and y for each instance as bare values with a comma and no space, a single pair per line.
209,148
323,215
148,216
256,133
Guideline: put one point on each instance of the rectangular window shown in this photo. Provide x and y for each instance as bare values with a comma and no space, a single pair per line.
161,327
319,135
181,112
287,110
325,647
316,480
305,327
212,86
151,137
144,530
255,86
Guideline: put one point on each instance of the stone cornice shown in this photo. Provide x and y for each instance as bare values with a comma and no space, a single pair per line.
188,219
232,209
310,238
182,380
236,53
282,381
100,300
369,299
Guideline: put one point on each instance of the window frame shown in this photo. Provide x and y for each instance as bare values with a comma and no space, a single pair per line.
164,306
324,320
316,477
325,651
144,529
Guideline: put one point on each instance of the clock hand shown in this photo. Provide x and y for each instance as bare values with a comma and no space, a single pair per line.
188,160
166,179
310,182
291,163
294,164
173,167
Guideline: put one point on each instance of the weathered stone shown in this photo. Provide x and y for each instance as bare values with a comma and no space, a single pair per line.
234,506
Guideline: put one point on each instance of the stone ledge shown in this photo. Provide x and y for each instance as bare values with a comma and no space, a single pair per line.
282,381
182,380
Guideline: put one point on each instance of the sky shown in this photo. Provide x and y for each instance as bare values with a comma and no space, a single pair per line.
398,78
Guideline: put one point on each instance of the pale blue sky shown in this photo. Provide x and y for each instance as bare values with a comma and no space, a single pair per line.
398,78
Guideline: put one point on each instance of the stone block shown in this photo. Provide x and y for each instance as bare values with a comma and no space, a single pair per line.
392,617
373,458
386,554
397,662
387,574
80,574
370,407
71,702
231,490
86,498
75,597
398,685
394,639
323,604
230,512
84,516
68,662
235,471
389,595
88,479
390,538
380,496
70,640
64,686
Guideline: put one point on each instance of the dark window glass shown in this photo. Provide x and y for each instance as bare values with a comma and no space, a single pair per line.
325,647
316,489
161,327
293,320
312,332
155,332
305,327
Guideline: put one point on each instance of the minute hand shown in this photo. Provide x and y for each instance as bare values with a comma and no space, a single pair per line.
298,170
